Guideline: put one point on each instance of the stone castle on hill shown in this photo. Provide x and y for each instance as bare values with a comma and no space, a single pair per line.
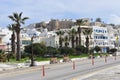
56,24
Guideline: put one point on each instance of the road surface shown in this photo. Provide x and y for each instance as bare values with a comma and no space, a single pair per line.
62,71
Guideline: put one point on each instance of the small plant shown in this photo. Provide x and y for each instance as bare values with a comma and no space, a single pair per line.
97,49
113,50
3,56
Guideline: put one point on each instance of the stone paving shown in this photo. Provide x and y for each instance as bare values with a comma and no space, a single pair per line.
108,74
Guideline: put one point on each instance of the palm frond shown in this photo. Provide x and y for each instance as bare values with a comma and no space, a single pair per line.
25,18
20,14
12,18
16,16
9,27
80,22
60,32
87,32
22,22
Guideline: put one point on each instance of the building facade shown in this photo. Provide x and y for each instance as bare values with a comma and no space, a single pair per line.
102,38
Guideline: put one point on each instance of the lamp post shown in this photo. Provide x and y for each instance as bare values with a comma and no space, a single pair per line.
31,57
8,55
118,39
8,47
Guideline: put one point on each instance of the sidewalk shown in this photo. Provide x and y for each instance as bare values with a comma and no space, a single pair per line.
4,66
8,66
112,73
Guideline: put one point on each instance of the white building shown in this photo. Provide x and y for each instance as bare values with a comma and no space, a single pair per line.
5,36
111,36
102,38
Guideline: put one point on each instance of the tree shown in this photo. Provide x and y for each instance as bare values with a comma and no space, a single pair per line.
60,34
12,28
98,20
66,39
87,33
113,50
52,51
108,50
97,49
67,50
72,34
80,22
18,20
81,49
111,24
38,49
76,40
3,56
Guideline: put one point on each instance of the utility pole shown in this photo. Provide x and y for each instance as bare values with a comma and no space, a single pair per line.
118,39
31,57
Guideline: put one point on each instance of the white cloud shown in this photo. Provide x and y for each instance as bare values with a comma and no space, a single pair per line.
114,19
39,10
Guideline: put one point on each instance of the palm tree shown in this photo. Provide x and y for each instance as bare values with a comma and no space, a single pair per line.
72,34
76,40
66,39
80,22
17,18
60,34
87,33
12,28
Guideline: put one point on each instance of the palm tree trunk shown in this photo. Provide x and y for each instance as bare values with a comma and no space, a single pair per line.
79,31
66,44
60,41
18,55
80,38
87,44
76,41
72,41
13,43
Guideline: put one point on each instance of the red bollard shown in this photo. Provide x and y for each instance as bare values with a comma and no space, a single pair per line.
105,59
92,60
115,57
43,71
73,65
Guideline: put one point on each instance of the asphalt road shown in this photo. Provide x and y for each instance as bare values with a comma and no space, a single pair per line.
62,71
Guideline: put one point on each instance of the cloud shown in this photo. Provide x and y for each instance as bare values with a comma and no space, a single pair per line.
114,19
42,10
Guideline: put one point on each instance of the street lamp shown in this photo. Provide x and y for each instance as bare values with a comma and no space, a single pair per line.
31,57
118,39
8,55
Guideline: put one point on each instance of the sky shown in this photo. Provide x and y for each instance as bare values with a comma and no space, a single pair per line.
44,10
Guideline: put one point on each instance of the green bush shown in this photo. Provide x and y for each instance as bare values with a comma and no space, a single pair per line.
81,49
97,49
67,51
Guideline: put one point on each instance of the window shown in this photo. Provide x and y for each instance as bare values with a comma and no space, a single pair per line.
96,37
99,30
26,42
96,30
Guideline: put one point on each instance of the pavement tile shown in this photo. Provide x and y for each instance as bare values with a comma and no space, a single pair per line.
110,74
